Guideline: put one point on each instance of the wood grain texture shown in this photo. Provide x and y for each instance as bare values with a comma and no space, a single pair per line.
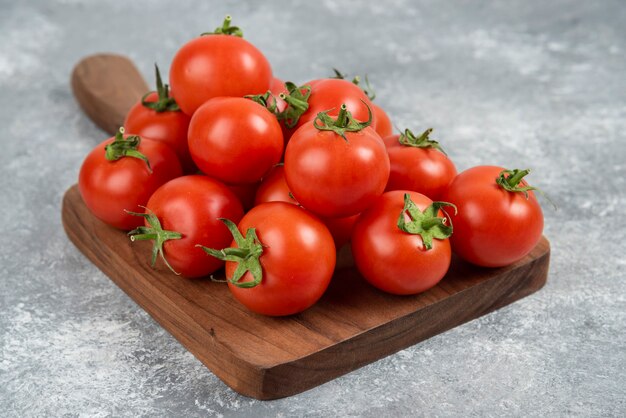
106,86
266,358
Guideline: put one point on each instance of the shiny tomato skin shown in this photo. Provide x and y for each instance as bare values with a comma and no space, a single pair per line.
274,188
493,227
424,170
392,260
191,205
109,188
217,66
298,260
168,127
333,177
330,93
384,127
341,228
235,140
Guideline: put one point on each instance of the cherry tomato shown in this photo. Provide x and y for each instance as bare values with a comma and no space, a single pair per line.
215,65
274,188
187,209
341,228
333,176
494,226
383,123
294,261
329,94
110,187
418,164
169,127
394,260
235,140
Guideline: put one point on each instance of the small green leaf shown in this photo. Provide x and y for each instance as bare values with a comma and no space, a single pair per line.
164,101
153,232
125,147
426,224
343,123
297,99
247,253
408,139
226,29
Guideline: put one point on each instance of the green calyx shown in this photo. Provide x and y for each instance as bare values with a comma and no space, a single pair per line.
125,147
246,255
409,139
226,29
511,181
426,224
164,101
266,100
297,99
344,122
368,89
153,232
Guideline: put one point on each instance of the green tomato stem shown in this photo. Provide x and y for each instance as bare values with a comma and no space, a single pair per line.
247,254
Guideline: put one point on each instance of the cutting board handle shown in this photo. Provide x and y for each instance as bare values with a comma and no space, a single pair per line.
106,86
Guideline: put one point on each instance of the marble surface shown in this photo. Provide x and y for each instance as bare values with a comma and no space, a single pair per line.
521,84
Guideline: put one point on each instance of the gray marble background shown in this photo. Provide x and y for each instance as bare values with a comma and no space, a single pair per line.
522,83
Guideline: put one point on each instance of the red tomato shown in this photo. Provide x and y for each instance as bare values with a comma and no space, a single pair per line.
216,65
108,188
191,206
418,164
341,228
391,259
329,94
235,140
274,188
169,127
332,176
295,263
383,123
494,227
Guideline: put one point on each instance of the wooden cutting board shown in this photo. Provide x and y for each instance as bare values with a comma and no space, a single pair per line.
266,358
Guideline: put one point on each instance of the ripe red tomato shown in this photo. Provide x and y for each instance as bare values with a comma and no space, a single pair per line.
187,209
329,94
109,187
157,116
397,261
418,164
216,65
383,123
274,188
288,262
333,176
494,227
341,228
235,140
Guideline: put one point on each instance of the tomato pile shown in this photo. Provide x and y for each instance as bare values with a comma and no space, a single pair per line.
229,166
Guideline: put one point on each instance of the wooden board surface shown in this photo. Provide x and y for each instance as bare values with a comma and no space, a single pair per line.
266,358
